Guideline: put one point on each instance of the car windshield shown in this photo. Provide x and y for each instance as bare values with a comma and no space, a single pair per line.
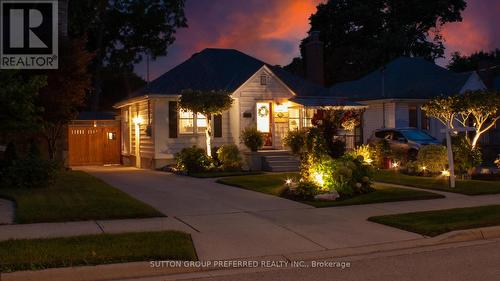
416,135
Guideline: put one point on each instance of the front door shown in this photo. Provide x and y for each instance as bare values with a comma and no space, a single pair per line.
264,124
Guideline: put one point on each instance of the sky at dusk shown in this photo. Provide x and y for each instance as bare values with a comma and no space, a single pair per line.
271,30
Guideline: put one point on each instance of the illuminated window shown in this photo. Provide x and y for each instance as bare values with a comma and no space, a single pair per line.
308,115
294,118
186,122
201,123
263,117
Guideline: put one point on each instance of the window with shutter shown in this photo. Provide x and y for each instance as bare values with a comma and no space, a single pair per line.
172,119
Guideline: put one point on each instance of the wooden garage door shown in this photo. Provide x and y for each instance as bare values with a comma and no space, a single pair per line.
88,145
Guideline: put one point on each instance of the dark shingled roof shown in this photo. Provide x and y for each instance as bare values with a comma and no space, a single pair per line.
221,69
496,83
405,78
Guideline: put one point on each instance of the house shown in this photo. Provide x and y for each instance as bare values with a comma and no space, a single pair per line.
154,129
395,92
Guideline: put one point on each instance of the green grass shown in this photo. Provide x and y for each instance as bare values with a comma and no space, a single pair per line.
273,184
432,223
219,174
95,249
467,187
75,196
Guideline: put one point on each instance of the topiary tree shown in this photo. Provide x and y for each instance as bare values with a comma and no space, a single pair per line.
207,103
480,107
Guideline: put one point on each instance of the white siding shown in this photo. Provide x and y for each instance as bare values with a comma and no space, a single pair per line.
473,83
146,142
373,117
251,92
401,115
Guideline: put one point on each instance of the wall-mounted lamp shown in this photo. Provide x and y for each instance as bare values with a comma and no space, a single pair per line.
137,120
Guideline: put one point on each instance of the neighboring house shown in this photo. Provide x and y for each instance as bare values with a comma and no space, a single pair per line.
395,93
154,129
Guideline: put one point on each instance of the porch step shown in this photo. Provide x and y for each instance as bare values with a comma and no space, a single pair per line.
280,162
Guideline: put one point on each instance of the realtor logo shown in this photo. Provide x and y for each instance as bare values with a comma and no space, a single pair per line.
28,30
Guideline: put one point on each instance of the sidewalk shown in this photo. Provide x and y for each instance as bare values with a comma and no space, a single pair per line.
65,229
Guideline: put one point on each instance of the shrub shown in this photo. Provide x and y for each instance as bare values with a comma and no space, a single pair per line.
229,156
464,156
364,151
497,161
306,190
433,157
252,138
192,159
296,140
337,148
381,150
30,172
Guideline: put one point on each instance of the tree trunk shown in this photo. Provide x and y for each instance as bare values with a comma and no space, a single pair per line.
475,139
208,134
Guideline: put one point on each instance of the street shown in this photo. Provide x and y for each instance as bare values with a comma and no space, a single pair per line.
476,261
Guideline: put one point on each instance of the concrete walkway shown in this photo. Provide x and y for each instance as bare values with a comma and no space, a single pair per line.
228,222
6,212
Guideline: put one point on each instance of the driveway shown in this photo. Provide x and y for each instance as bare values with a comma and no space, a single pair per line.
229,222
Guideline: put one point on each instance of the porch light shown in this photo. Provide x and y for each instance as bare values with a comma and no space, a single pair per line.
281,107
137,120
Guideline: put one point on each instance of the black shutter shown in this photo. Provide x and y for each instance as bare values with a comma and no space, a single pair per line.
412,116
218,126
172,119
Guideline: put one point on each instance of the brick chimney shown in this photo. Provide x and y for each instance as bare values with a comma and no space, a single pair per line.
314,59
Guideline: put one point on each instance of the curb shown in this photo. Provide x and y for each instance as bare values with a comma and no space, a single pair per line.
144,269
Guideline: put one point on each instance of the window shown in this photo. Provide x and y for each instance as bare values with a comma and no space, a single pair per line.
186,122
263,79
308,115
201,123
412,116
293,118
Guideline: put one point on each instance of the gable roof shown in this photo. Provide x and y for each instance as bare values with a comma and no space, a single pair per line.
403,78
221,69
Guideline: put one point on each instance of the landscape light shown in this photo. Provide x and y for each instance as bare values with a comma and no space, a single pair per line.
424,168
288,181
395,164
318,178
445,173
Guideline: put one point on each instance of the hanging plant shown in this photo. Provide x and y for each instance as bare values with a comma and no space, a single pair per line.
350,120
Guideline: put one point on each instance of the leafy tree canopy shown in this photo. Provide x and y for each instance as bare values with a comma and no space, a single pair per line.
206,103
361,35
17,97
118,84
121,31
459,63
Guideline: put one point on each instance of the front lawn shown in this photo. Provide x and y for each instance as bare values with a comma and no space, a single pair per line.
75,196
273,184
468,187
433,223
38,254
220,174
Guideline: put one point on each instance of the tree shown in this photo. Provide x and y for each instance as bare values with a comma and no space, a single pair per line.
17,97
477,109
361,35
65,91
208,104
117,85
459,63
121,32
